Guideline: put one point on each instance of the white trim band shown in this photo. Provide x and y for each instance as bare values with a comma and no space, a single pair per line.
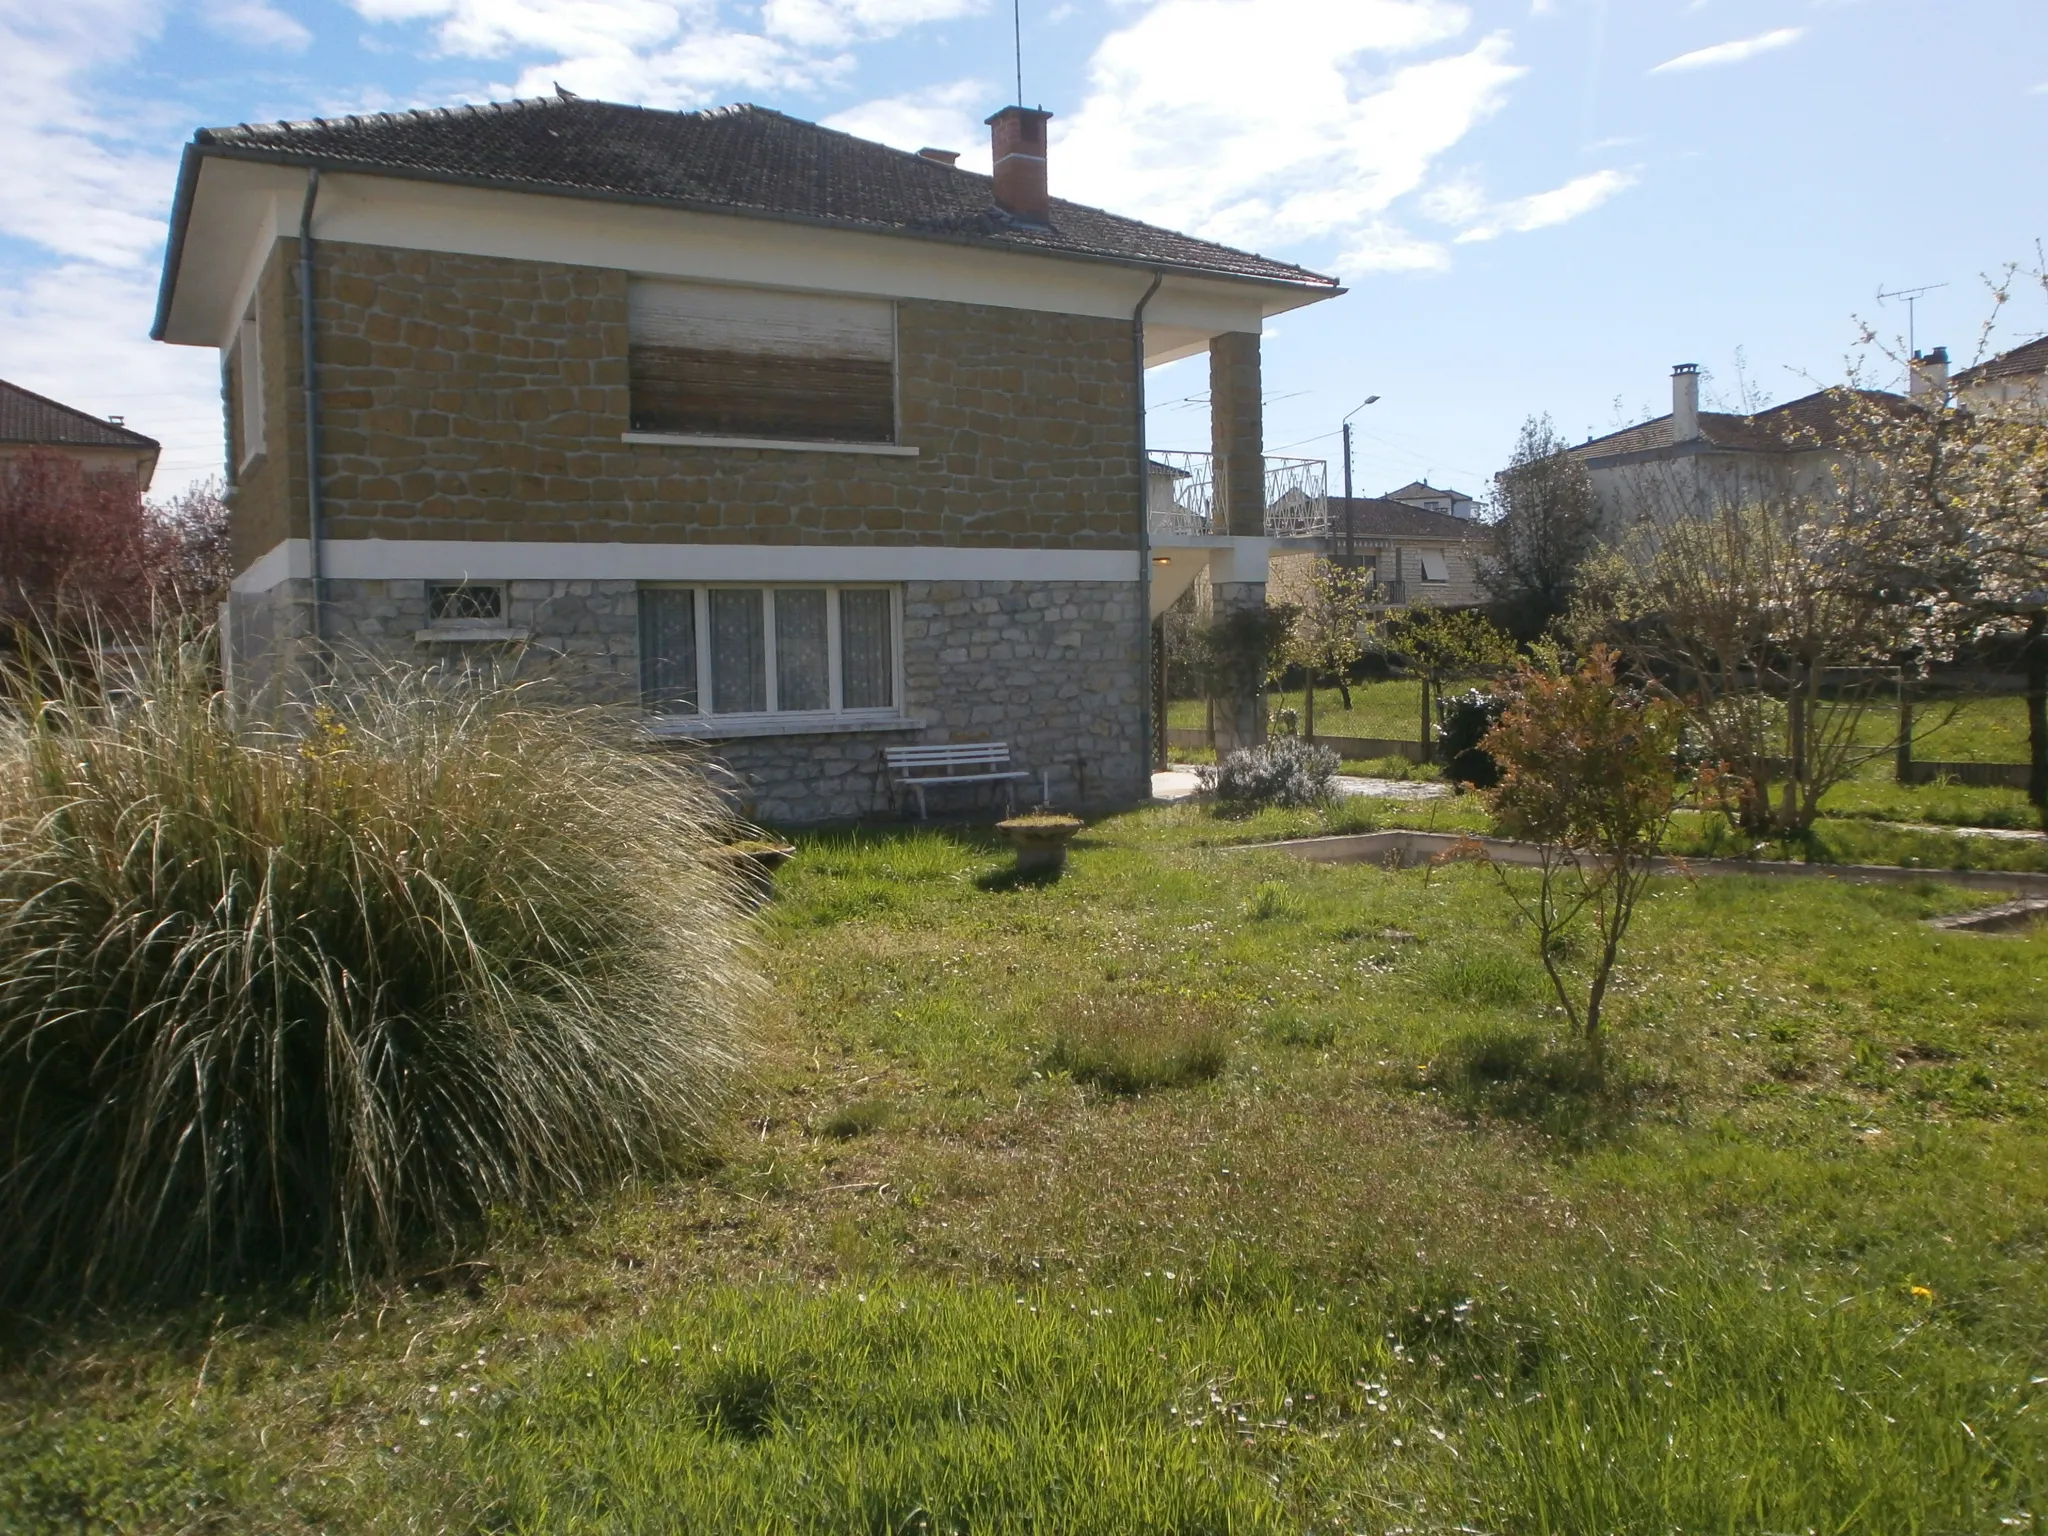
779,444
734,727
490,560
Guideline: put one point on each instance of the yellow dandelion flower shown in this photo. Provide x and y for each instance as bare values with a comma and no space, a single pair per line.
1921,1290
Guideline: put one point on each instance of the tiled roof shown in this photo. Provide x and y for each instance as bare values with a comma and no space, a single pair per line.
1379,518
1811,421
2030,358
742,159
33,418
1424,488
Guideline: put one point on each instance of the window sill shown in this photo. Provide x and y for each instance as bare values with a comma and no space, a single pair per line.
787,445
476,634
730,727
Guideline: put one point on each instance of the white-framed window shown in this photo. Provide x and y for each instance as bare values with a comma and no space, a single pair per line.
248,376
760,651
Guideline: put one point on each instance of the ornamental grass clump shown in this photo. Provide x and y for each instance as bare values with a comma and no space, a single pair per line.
316,1002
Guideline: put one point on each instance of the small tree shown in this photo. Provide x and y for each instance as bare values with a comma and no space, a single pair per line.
1329,630
1951,501
1588,772
72,542
1546,523
191,560
1439,640
1764,614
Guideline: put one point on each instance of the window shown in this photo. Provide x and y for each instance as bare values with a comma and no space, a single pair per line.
706,361
767,650
464,603
246,372
1433,567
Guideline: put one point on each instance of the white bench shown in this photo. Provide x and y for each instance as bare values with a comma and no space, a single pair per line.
918,768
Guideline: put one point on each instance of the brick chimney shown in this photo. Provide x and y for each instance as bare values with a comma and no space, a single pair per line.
1017,136
1685,403
1928,375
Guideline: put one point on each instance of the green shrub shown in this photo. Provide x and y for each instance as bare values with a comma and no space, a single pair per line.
278,1002
1143,1044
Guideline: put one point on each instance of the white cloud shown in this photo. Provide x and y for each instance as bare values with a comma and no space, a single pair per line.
1383,247
78,182
664,53
1560,205
79,333
941,117
835,23
1275,121
258,24
1733,52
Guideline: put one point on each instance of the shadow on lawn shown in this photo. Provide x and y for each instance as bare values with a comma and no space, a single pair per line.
1560,1087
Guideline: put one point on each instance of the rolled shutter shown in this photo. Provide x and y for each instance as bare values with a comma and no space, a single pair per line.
752,362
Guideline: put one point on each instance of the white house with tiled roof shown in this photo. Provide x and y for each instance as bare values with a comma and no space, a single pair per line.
2018,376
805,445
1692,460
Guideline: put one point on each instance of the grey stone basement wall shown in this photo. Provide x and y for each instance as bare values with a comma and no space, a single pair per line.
1052,668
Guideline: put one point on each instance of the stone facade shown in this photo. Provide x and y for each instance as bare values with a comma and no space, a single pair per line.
471,397
1051,668
480,399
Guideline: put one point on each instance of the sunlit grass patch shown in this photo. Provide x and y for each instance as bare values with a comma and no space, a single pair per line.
1136,1045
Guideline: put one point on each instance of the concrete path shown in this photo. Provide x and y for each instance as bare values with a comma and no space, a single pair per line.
1177,781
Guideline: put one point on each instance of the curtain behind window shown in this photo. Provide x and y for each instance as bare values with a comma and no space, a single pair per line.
867,673
739,652
801,678
668,650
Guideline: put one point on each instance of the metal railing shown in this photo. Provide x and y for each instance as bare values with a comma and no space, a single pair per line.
1181,496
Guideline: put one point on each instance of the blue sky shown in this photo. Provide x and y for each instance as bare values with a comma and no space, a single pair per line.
1538,206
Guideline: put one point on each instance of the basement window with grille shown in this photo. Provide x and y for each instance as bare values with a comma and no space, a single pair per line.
459,611
770,659
744,366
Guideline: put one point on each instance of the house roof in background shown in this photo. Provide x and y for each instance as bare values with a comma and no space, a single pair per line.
1812,421
2028,358
741,159
1377,517
1424,488
26,417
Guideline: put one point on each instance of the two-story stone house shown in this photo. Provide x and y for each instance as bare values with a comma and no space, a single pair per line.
802,444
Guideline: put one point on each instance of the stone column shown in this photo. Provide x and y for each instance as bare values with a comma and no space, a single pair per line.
1237,440
1237,434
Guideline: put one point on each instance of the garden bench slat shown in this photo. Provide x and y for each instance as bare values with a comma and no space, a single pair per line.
917,768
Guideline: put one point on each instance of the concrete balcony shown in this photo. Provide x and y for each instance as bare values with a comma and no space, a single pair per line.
1181,497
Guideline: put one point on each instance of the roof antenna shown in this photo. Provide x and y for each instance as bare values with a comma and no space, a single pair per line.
1017,44
1912,296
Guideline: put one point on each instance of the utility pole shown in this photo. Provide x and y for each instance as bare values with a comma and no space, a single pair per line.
1351,516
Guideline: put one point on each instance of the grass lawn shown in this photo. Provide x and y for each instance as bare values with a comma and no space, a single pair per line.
1200,1191
1977,730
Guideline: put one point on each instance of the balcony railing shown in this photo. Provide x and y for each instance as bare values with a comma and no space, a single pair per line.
1181,498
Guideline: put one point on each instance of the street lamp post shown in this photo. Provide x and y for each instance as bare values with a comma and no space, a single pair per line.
1350,517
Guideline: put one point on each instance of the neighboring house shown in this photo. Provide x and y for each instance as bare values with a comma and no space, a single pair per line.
2015,377
803,444
99,445
1693,460
1414,555
1420,493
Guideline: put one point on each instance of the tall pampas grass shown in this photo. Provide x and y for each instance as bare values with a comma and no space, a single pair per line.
317,998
